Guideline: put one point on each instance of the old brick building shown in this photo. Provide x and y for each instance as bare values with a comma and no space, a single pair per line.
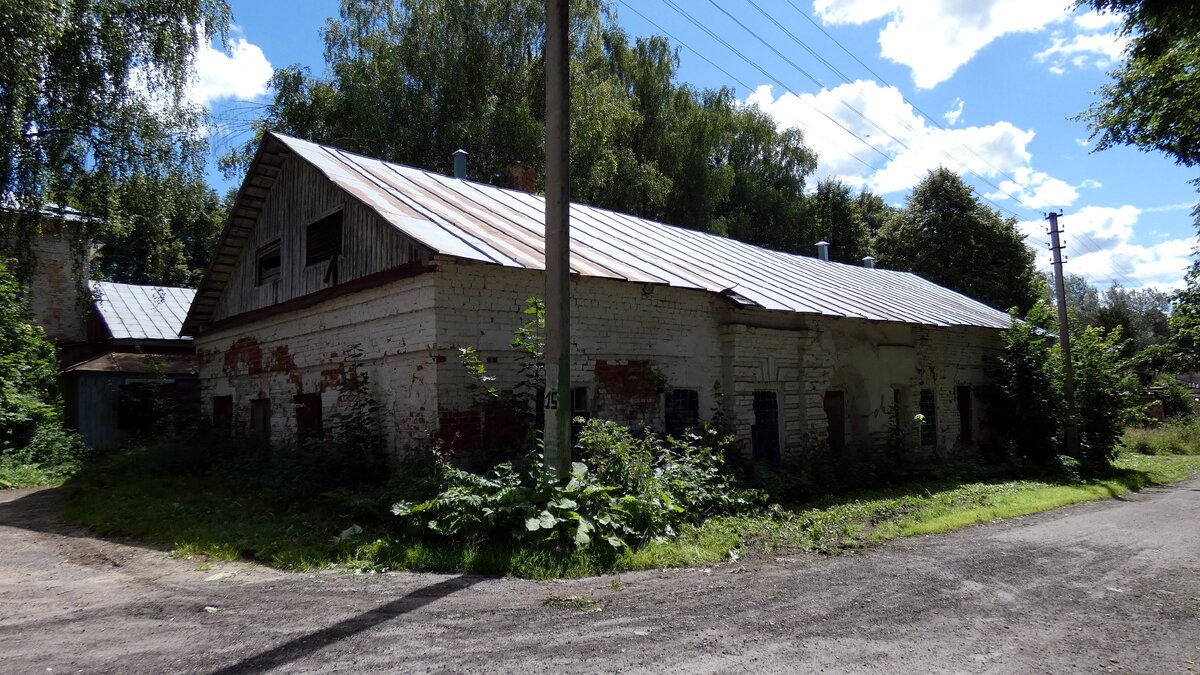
326,250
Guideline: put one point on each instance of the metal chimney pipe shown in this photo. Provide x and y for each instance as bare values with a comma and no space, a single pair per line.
823,250
869,262
460,163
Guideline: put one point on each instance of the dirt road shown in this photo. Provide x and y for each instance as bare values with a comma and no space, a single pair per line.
1111,586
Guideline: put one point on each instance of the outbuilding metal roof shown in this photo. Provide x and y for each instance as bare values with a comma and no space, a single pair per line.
142,312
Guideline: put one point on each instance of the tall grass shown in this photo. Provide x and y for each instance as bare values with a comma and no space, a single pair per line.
1180,437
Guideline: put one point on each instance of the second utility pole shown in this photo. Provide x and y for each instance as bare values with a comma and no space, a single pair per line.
556,435
1070,426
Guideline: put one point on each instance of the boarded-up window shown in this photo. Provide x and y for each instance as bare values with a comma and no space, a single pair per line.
835,412
260,418
764,433
928,410
222,414
269,262
579,410
966,415
308,416
323,240
682,411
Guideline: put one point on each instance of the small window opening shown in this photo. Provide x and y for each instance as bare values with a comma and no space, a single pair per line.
269,262
966,415
928,410
764,433
682,411
323,240
308,416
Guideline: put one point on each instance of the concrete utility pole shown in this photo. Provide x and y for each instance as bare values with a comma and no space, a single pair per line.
1064,337
557,432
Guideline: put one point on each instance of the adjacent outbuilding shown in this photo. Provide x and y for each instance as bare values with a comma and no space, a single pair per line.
135,368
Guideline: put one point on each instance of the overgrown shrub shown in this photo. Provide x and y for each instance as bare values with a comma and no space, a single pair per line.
641,488
1177,400
28,371
1027,398
1105,394
34,447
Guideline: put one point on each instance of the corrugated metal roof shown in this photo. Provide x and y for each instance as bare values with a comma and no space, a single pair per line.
117,362
142,312
480,222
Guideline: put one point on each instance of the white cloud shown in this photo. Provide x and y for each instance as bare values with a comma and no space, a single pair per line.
911,146
1036,189
935,38
953,114
1099,246
1090,184
241,72
1083,143
1100,50
1095,21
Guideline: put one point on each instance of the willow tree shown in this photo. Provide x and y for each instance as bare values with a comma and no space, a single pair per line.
91,93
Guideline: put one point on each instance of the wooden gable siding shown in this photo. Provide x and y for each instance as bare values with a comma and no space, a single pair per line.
299,196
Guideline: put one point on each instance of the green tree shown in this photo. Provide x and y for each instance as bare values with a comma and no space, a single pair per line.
1027,395
1105,393
945,234
1154,101
91,92
163,231
839,221
412,81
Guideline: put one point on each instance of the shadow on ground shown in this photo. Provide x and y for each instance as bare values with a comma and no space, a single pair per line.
304,645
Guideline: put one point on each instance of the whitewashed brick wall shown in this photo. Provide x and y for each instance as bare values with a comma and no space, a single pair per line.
631,342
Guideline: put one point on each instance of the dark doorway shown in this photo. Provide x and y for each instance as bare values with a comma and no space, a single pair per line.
764,433
260,418
835,411
308,416
222,414
966,415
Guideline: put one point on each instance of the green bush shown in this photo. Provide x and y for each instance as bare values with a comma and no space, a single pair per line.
28,371
1177,400
1027,398
640,489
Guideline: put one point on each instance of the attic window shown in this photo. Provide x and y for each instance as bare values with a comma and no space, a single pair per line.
324,239
269,262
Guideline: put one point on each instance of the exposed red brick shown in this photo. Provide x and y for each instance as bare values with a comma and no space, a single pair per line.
245,353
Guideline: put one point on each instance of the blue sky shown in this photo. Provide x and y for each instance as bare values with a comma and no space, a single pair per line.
987,88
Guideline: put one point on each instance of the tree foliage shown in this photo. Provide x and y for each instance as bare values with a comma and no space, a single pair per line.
93,92
162,231
411,82
1028,396
945,234
28,371
1154,101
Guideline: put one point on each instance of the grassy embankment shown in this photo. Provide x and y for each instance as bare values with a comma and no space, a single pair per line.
226,511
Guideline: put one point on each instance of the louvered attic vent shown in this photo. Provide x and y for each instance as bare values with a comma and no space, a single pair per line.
324,239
